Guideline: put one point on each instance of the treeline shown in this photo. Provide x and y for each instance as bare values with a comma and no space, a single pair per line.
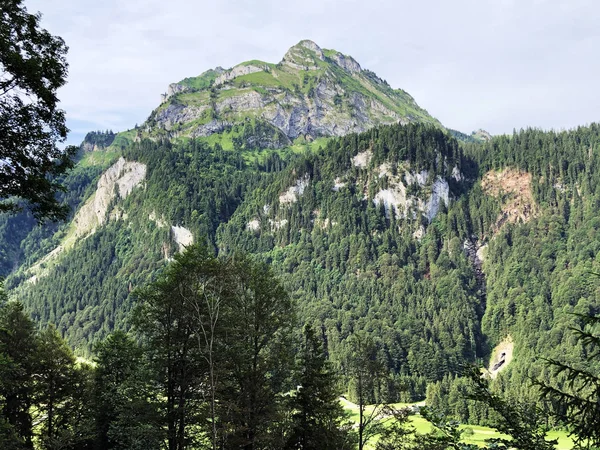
349,266
215,362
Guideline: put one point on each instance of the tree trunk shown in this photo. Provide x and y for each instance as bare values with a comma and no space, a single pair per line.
361,425
171,430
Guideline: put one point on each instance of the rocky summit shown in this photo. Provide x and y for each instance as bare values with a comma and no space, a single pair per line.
311,92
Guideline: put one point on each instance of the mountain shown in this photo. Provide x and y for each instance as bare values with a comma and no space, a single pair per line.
310,93
376,219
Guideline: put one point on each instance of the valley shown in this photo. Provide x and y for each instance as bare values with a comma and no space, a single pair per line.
443,250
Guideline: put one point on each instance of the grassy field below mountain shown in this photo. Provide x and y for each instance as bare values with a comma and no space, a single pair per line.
478,436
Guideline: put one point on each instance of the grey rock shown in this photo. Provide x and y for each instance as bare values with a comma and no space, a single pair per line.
347,63
331,107
297,58
214,126
246,101
237,71
178,114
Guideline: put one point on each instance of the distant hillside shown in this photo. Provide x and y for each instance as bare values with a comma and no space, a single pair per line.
438,249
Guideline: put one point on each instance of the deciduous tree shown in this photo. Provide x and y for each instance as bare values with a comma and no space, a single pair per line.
32,68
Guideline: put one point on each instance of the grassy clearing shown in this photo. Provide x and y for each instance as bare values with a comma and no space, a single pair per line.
258,78
479,436
202,81
102,158
122,139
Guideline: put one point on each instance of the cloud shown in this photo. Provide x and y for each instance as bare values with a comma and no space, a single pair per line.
498,65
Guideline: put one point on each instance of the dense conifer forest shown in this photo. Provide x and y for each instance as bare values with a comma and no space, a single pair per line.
349,265
289,256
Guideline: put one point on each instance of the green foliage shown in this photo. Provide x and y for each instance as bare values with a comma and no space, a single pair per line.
257,358
203,81
318,419
56,366
127,414
18,366
577,402
397,433
367,373
99,139
523,422
226,325
33,65
349,265
446,434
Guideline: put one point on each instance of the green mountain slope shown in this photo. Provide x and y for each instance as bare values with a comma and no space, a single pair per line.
310,93
439,250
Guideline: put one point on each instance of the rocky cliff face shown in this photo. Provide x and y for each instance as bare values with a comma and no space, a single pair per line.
311,92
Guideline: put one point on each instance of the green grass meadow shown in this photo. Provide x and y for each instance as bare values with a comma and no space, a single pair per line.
479,436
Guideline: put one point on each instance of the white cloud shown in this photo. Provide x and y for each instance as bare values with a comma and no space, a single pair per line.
493,64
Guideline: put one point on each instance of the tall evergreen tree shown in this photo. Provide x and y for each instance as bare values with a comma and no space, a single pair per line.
18,350
318,418
578,402
126,399
55,384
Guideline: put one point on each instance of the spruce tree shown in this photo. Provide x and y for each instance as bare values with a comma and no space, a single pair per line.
56,364
318,420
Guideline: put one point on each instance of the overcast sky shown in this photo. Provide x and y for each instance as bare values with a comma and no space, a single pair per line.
491,64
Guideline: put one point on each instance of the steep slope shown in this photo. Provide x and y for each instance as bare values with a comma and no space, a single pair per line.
379,231
273,208
540,232
311,92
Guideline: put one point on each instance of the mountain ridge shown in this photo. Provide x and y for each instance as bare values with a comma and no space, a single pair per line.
310,93
436,248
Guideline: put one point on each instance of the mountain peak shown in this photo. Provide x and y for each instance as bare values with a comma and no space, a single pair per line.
305,55
311,45
312,92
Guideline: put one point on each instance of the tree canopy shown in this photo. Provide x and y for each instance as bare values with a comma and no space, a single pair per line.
32,68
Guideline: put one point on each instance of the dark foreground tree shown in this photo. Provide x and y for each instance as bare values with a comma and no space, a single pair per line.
579,398
44,395
166,321
256,356
318,420
18,352
127,414
218,332
367,377
54,387
32,69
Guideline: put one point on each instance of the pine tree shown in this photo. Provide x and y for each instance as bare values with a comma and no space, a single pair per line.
579,398
318,419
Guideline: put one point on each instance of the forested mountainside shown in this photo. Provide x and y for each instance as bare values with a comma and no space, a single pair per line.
437,249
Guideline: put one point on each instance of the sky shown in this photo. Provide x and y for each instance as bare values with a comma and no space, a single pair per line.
498,65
